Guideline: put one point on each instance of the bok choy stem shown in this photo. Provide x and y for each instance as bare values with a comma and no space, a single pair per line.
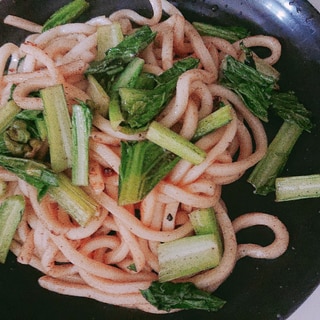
11,210
58,122
175,143
74,200
297,187
81,129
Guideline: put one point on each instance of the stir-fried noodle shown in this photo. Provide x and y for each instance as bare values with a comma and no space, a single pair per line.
92,261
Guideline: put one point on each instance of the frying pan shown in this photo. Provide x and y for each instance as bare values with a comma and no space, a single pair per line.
257,289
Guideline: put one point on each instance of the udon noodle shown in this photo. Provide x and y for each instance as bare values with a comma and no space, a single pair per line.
92,261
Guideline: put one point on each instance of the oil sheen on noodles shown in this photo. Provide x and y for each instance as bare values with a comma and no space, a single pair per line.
88,261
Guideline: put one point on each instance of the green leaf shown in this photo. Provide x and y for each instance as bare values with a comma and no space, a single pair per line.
118,57
143,165
66,14
141,106
229,33
35,173
252,86
167,296
287,107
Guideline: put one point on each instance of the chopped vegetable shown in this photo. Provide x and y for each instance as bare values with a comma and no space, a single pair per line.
175,143
25,134
58,124
7,114
11,210
254,87
36,123
74,200
108,36
270,166
259,93
3,188
297,187
118,57
129,76
213,121
98,95
66,14
232,33
248,56
35,173
140,106
167,296
178,68
187,256
126,79
146,81
204,221
287,107
81,129
143,165
296,120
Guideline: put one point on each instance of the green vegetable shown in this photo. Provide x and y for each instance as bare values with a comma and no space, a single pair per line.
261,65
232,34
287,107
99,96
58,124
81,129
143,165
129,76
248,56
146,81
36,123
213,121
187,256
126,79
132,267
177,70
296,120
271,165
66,14
115,114
297,187
167,296
24,134
141,106
204,221
35,173
254,87
3,188
118,57
11,210
7,114
175,143
108,36
259,93
74,200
